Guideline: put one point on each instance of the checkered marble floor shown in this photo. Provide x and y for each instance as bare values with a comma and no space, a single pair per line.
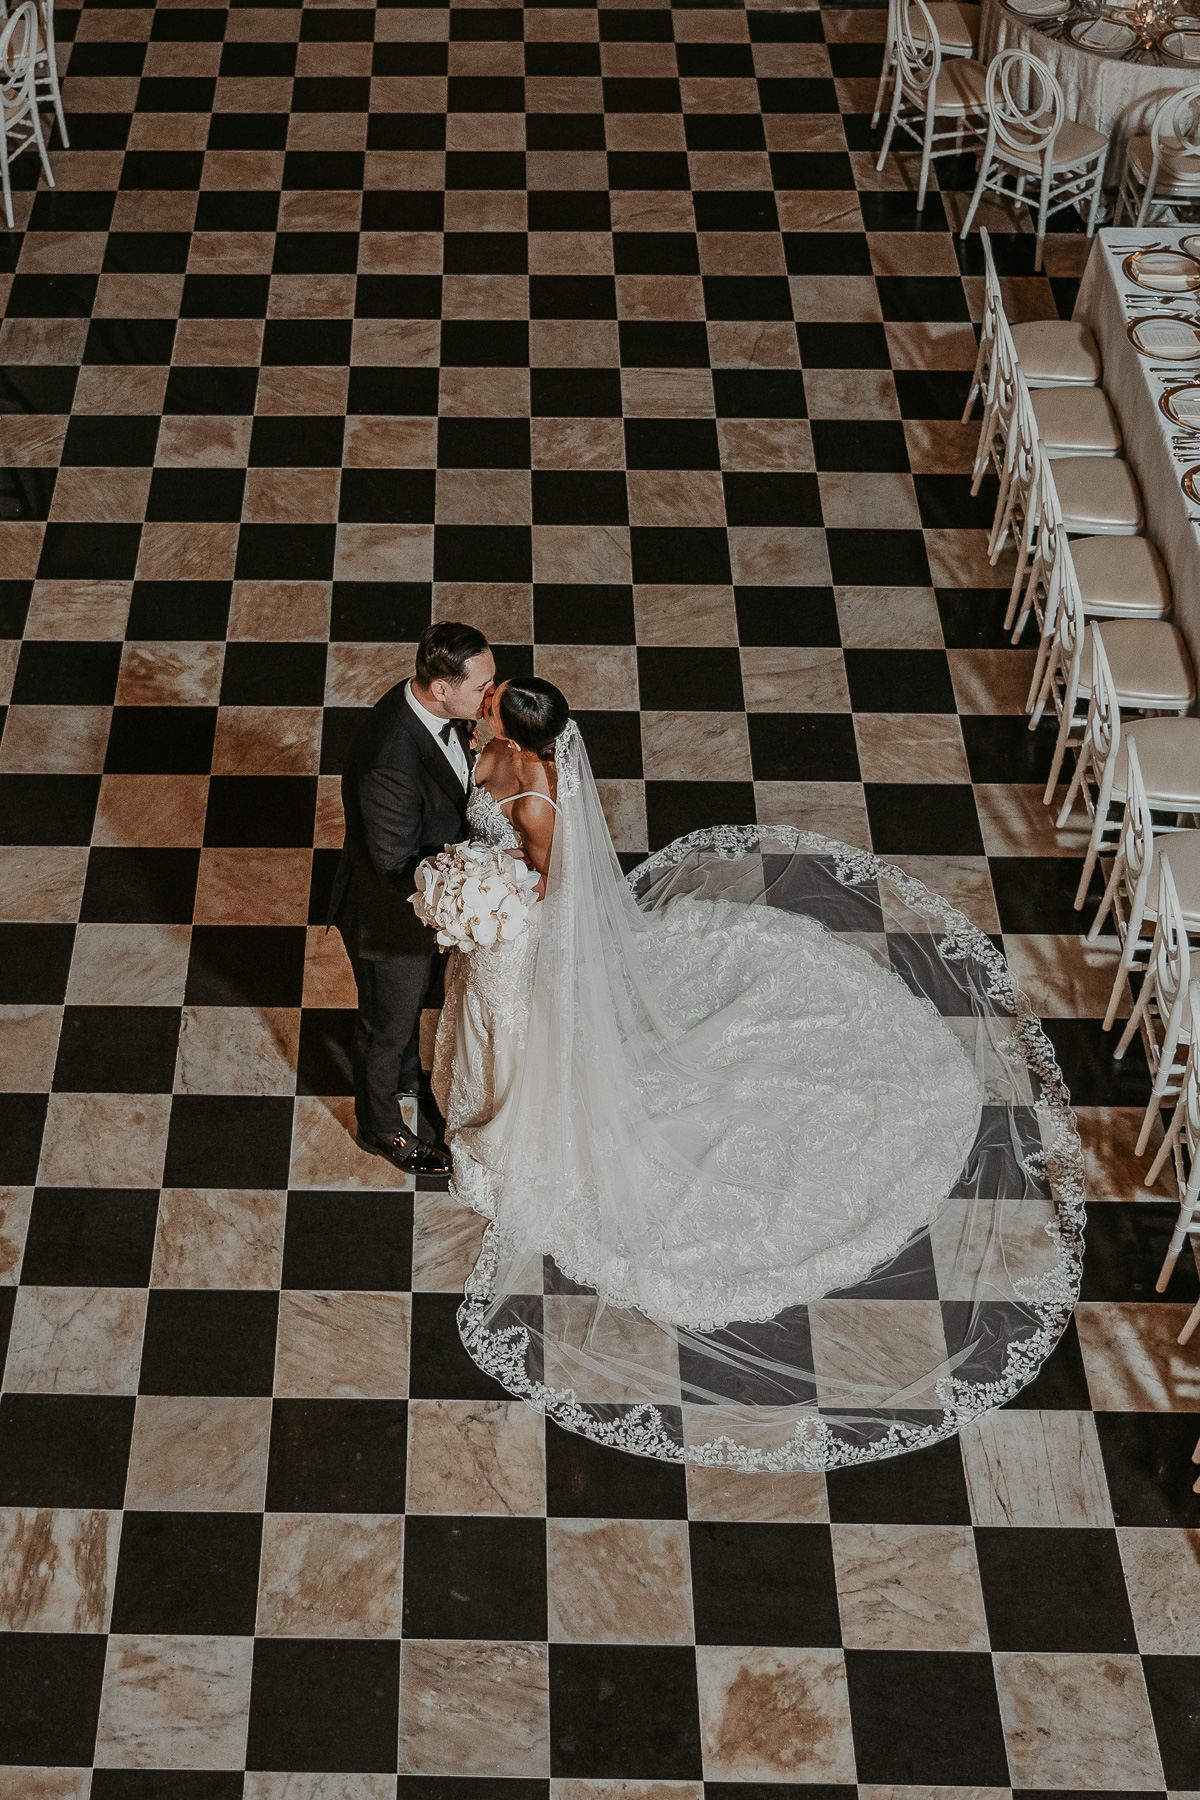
599,328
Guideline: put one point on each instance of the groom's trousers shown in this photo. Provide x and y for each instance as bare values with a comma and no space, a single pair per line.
385,1052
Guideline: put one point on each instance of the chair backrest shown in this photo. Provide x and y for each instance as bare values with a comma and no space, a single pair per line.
18,53
1189,1099
1070,626
918,47
1025,105
1137,828
1176,126
1102,734
1172,956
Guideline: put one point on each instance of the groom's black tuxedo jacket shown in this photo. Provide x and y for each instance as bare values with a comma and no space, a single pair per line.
402,802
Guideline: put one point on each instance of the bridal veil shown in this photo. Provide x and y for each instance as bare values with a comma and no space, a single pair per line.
791,1181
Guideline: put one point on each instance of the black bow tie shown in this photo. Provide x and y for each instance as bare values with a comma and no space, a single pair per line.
446,730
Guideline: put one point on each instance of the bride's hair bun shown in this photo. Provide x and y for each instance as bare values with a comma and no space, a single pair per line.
534,713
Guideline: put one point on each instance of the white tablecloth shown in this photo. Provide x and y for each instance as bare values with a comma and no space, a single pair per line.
1117,98
1108,302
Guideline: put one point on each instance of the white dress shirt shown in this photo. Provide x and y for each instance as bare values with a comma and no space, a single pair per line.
453,750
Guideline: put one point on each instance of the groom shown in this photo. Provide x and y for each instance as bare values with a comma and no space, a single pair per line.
404,792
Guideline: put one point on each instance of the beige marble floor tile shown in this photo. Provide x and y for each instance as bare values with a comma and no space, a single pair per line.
154,810
474,1708
267,740
1162,1579
885,618
45,1784
253,887
783,679
619,1581
328,977
1133,1361
991,681
28,1048
836,809
193,1453
600,676
502,610
76,1340
331,1575
476,1456
909,1587
774,1715
92,610
219,1238
877,1791
15,1204
342,1345
42,883
172,674
57,1568
1111,1169
624,803
446,1240
972,1256
695,746
280,611
1035,1468
910,747
585,553
54,740
669,615
105,1140
728,1496
305,1785
129,965
1014,822
238,1050
771,555
324,1154
878,1347
621,1788
853,501
174,1702
1072,1721
966,881
851,393
358,674
580,1339
1064,977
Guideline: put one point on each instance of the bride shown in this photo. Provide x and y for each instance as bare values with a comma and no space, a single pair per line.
777,1167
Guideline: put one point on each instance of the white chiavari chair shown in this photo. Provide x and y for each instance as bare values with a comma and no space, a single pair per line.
957,26
1182,1144
46,72
1032,140
927,89
20,125
1162,172
1162,1011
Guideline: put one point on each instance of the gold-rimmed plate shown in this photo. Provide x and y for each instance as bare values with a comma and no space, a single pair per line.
1166,337
1163,271
1189,481
1107,37
1181,404
1182,47
1039,9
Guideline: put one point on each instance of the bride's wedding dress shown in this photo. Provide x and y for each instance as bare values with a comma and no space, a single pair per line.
768,1144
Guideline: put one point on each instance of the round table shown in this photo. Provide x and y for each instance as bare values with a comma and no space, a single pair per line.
1117,98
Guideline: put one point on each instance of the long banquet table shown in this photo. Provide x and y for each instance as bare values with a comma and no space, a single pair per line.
1160,451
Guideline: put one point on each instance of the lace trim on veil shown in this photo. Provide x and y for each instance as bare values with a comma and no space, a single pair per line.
814,1444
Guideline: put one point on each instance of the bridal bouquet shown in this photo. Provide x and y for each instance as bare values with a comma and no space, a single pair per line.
474,896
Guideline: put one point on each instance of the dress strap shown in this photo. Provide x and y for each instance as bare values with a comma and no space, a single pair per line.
527,794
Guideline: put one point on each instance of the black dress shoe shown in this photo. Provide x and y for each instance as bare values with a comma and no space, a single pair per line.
408,1154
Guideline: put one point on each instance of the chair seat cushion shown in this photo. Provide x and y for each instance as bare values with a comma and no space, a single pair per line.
1149,662
1054,352
1169,753
1098,493
961,86
1074,143
1176,174
1121,577
1075,421
957,26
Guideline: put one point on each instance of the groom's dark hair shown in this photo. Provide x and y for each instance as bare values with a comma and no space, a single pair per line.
445,649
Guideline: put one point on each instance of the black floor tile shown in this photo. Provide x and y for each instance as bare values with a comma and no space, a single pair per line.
764,1584
22,1119
474,1577
1002,748
1037,894
584,1480
691,680
1149,1468
900,681
223,1140
64,1450
1084,1052
673,808
1054,1591
324,1705
803,747
160,740
348,1241
923,819
1060,1385
66,674
188,1572
624,1710
927,1487
263,811
117,1049
908,1708
342,1456
35,963
1173,1683
51,1683
439,1367
881,558
246,965
1124,1248
219,1341
90,1237
143,887
47,809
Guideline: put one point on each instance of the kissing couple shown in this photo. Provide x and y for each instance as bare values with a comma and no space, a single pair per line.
681,1103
